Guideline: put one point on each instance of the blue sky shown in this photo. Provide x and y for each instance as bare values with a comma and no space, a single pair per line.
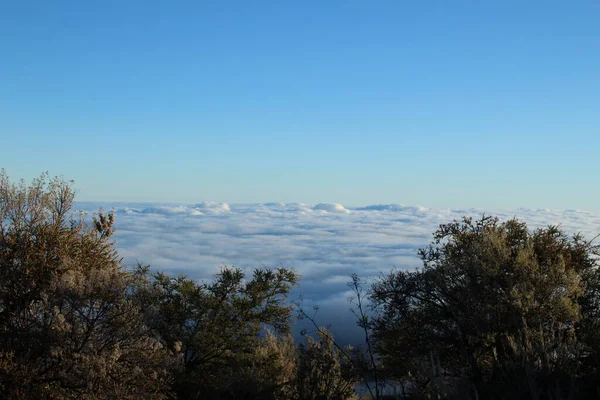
489,104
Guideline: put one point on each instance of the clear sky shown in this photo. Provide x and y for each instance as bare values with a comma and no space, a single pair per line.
490,104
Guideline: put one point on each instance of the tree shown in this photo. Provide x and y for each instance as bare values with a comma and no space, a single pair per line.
270,371
69,327
323,371
492,295
216,326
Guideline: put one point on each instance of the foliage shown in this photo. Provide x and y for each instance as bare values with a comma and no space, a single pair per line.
278,369
323,371
270,372
495,303
498,311
68,328
216,326
352,365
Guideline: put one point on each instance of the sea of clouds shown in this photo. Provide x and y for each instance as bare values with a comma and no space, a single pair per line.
325,243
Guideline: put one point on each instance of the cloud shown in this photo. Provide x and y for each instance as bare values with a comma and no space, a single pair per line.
178,209
168,210
325,243
211,207
332,208
394,208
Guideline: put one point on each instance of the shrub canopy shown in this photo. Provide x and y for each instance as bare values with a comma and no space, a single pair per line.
492,296
68,326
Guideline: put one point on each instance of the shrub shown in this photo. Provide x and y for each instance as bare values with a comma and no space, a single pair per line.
499,305
68,326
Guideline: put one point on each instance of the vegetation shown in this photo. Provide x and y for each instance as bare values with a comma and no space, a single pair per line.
215,327
68,326
498,311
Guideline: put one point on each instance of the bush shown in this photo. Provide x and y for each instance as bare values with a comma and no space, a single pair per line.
323,371
216,326
68,327
513,312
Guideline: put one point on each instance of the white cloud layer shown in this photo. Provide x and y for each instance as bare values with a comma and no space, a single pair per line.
325,243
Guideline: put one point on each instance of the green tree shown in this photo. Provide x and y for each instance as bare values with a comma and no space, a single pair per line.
68,325
269,373
492,302
323,371
216,326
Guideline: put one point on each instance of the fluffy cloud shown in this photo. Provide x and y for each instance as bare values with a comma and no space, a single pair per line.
325,243
203,208
211,207
329,207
